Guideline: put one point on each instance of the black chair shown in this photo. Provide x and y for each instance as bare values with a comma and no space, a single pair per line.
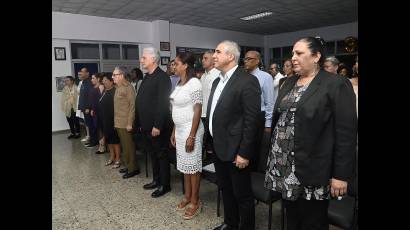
260,193
344,213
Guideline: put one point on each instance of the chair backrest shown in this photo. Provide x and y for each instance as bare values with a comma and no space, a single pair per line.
263,153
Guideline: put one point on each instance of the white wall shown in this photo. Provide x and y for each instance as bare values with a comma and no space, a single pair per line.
208,38
59,69
328,33
160,33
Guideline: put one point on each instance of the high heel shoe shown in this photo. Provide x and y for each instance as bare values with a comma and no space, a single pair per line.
116,165
191,212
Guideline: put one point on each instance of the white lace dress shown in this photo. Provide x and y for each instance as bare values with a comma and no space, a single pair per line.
183,99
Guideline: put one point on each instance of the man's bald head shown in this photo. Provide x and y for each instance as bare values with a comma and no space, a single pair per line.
252,60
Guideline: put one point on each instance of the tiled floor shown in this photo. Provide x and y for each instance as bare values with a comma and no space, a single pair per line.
88,195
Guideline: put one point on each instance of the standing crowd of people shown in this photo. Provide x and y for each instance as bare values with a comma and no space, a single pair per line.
304,119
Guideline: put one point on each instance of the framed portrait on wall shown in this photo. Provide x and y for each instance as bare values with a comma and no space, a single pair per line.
59,53
60,83
164,46
165,60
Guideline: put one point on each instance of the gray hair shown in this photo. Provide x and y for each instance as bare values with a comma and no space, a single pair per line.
232,47
333,60
123,70
153,52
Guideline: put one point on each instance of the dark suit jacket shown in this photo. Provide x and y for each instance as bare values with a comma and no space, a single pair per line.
84,98
235,117
325,129
152,101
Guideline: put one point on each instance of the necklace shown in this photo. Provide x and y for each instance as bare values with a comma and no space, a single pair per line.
301,81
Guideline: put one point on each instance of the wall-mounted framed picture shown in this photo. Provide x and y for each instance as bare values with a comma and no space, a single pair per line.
60,83
59,53
164,46
165,60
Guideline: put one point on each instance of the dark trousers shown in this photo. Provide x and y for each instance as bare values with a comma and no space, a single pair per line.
239,208
306,214
207,144
91,128
74,123
128,148
157,147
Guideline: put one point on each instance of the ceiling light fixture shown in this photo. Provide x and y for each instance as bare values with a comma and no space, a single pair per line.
256,16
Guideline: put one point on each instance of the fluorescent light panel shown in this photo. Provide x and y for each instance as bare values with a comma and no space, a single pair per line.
256,16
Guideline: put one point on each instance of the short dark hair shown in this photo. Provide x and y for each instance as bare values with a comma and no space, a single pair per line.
108,76
138,73
344,66
316,45
70,77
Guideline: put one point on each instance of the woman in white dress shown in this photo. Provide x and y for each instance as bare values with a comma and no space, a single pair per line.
188,131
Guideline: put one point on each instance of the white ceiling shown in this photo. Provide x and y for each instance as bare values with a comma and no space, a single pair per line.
288,15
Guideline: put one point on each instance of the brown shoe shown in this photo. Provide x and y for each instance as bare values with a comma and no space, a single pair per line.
182,205
192,211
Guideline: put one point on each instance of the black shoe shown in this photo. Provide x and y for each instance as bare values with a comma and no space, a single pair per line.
123,170
91,145
161,191
71,136
224,226
98,152
151,185
77,136
131,174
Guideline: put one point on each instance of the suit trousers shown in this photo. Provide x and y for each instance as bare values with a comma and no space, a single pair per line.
305,214
128,148
157,147
74,123
239,207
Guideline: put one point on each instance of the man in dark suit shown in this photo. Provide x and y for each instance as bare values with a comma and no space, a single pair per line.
84,105
153,119
232,119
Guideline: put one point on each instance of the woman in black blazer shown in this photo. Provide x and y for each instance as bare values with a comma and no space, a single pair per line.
312,155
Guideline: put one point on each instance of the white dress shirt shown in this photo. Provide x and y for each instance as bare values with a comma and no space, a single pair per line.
278,76
218,91
206,80
266,84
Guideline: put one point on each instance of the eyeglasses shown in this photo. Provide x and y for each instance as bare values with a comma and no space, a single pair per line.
248,59
116,74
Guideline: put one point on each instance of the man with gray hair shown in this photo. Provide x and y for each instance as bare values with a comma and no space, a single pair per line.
331,64
124,114
232,118
154,119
